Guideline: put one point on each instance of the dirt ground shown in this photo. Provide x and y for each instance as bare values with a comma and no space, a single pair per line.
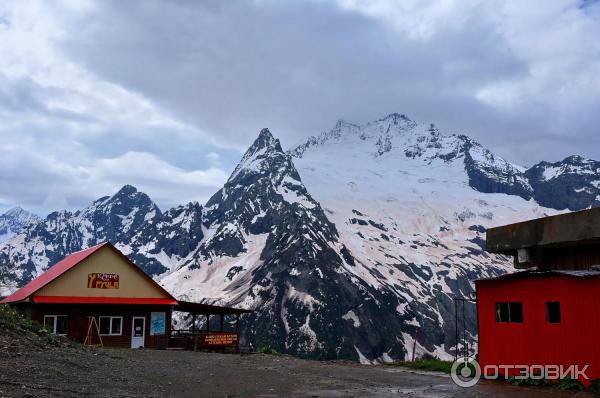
36,370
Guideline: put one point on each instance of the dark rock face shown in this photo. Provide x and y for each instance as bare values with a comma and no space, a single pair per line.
303,289
573,183
491,175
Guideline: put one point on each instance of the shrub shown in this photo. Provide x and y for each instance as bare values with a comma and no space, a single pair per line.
529,382
434,365
570,384
10,319
268,350
594,387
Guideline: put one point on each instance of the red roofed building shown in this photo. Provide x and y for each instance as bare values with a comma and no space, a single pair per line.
98,292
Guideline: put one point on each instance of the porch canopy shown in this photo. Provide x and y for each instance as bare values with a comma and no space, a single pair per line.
207,309
194,338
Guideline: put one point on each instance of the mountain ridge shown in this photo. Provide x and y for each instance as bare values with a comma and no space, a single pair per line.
576,191
348,245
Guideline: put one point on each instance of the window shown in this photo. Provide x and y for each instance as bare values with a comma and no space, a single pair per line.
553,311
111,325
56,324
509,312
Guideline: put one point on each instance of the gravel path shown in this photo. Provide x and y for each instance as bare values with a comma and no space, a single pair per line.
37,370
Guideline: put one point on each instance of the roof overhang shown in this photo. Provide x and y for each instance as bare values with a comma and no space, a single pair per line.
541,274
204,309
581,228
102,300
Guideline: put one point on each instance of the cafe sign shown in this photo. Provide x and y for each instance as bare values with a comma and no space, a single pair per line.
103,281
222,339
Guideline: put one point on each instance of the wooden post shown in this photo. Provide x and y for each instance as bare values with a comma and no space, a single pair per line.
415,345
222,321
237,323
193,322
207,323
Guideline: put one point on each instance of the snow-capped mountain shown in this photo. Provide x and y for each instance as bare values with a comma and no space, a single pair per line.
411,205
348,246
13,220
270,246
573,183
129,219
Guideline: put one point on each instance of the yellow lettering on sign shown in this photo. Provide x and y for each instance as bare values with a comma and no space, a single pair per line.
103,281
91,280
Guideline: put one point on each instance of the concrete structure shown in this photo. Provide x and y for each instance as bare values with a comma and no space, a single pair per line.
564,241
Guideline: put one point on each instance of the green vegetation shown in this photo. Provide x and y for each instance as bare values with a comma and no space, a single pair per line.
594,387
432,365
529,382
268,350
11,320
12,323
569,384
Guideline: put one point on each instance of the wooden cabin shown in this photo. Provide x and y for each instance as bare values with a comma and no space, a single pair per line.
98,296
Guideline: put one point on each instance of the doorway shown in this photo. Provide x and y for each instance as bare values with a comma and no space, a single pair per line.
138,332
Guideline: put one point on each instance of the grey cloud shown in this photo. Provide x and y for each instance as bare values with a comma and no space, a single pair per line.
215,72
234,67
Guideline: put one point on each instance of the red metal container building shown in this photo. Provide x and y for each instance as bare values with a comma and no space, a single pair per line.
548,314
558,324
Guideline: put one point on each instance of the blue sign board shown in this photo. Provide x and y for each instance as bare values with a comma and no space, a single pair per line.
157,323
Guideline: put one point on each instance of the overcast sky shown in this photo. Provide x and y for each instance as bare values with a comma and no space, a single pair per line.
165,95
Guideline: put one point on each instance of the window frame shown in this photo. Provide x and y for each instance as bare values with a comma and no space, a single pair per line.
110,324
55,324
509,304
548,313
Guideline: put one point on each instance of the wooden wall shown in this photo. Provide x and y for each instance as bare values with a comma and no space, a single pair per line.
567,258
78,321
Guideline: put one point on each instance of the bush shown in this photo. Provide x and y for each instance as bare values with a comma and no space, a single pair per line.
268,350
11,320
434,365
570,384
594,387
529,382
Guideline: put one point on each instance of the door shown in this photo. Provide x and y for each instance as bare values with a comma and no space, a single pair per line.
138,332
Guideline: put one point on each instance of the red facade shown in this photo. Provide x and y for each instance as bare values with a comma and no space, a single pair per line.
535,340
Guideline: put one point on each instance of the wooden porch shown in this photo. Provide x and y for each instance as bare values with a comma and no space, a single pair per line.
195,338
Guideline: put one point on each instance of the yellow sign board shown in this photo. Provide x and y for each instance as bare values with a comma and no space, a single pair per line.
103,281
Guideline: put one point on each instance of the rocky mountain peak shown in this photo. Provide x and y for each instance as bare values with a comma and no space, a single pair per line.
263,156
126,191
264,142
15,212
13,220
396,118
128,197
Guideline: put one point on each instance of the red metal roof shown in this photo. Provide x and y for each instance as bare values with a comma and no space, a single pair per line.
52,273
